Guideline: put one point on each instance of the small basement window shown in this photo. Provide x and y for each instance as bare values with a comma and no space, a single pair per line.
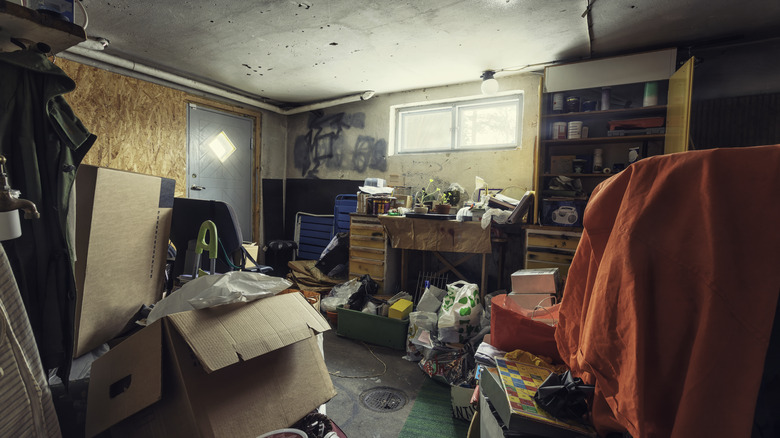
479,124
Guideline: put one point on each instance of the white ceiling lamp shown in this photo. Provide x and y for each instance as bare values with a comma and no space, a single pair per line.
489,83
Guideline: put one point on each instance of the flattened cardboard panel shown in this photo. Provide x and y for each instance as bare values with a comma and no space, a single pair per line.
125,380
222,336
122,239
85,201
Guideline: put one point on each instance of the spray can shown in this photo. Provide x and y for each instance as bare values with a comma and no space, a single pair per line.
605,96
598,163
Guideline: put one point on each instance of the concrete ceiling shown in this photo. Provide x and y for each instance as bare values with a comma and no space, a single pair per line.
290,53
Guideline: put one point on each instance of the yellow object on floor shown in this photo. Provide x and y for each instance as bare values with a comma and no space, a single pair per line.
400,309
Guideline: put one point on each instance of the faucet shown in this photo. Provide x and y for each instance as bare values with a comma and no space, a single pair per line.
9,202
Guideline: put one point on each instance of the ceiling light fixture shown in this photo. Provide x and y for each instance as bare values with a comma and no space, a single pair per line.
489,83
93,43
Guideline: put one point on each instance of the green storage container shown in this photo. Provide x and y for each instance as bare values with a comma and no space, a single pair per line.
377,330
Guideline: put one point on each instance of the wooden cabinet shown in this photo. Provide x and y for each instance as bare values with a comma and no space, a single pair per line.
370,253
550,247
614,134
552,241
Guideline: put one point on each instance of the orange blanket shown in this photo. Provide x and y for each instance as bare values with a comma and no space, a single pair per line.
671,296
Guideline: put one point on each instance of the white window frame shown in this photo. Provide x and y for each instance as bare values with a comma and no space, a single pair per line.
454,106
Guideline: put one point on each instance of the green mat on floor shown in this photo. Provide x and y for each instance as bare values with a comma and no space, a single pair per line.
431,414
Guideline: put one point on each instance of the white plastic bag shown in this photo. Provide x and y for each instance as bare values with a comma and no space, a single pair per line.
216,290
419,337
339,295
461,309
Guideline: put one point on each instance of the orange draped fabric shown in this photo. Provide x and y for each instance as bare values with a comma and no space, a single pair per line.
671,296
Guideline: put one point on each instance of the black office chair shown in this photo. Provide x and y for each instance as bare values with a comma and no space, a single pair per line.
188,215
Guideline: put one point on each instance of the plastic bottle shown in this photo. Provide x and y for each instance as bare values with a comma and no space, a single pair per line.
598,164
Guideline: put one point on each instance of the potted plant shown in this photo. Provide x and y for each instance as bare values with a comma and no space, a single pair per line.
427,196
443,206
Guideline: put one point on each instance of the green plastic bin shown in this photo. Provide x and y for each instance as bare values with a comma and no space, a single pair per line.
377,330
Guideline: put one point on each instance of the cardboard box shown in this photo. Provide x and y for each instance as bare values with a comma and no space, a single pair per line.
562,164
536,281
229,371
400,309
312,297
531,301
490,426
460,398
123,222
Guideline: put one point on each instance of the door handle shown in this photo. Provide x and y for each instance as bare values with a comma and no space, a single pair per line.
198,188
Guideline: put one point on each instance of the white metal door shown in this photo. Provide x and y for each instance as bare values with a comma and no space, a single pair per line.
227,177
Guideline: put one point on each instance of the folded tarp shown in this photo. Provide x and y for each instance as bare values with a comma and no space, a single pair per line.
671,296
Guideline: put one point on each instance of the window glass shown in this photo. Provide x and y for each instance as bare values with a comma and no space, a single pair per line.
488,123
425,130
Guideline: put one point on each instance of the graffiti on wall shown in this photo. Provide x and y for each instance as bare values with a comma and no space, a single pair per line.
325,144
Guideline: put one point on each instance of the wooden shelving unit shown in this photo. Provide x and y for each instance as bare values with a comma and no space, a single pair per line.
550,242
29,26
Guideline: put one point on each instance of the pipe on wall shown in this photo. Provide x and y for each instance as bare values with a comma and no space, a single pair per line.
115,64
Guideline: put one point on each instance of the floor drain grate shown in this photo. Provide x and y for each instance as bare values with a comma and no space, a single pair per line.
383,399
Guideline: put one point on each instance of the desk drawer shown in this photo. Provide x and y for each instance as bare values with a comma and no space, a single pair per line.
545,256
559,241
367,253
366,241
357,229
374,268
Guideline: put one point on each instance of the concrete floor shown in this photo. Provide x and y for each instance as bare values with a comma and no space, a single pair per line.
346,357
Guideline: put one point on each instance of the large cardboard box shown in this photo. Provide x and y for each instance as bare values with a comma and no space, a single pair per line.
123,222
238,370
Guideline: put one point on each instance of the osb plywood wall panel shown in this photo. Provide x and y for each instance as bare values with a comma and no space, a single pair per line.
141,127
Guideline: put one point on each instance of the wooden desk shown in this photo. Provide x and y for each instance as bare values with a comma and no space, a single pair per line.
438,236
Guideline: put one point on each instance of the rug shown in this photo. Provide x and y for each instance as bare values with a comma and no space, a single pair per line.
431,415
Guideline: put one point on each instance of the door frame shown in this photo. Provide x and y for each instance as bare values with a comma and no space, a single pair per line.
257,181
